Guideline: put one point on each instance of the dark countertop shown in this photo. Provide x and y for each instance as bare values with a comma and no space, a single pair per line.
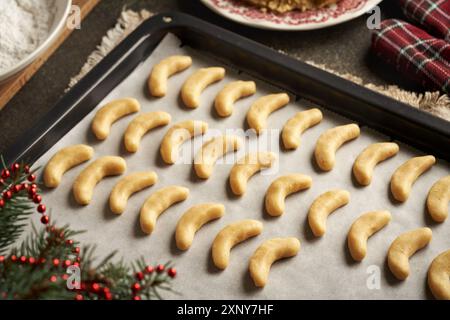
344,48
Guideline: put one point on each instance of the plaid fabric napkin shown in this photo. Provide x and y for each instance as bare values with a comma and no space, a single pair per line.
414,52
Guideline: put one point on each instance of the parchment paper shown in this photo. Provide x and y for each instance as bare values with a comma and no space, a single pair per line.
322,269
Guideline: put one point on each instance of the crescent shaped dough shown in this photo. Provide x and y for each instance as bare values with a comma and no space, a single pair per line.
262,108
404,177
294,127
438,198
142,124
230,94
64,160
211,151
439,276
369,158
177,135
330,141
83,187
403,247
246,167
281,188
110,113
362,229
269,252
197,82
127,186
157,203
193,219
161,72
230,236
323,206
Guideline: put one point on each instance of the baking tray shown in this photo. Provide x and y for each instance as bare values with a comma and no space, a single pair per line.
323,268
395,119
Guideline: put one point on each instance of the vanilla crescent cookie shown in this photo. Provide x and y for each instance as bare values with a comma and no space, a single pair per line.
83,187
269,252
283,187
404,177
159,202
177,135
369,158
330,141
197,82
439,276
438,198
161,72
248,166
193,219
142,124
294,127
323,206
110,113
261,109
362,229
213,149
64,160
403,247
230,94
230,236
127,186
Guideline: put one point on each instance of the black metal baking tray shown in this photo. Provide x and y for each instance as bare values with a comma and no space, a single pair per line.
399,121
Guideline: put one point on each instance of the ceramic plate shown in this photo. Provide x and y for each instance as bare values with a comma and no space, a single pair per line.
240,12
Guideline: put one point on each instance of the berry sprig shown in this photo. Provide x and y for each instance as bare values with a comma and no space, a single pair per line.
148,276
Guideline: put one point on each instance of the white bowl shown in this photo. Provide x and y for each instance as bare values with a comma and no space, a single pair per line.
59,22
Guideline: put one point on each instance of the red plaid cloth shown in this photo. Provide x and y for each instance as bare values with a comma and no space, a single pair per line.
434,15
415,53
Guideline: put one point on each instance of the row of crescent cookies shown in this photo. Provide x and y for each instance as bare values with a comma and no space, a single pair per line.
328,143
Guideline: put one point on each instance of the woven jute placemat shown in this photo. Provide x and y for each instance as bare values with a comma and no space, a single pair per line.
433,102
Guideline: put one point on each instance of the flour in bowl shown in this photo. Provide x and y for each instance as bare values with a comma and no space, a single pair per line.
24,25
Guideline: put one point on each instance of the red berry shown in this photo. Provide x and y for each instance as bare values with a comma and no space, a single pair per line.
23,259
31,260
79,297
53,278
76,264
149,269
7,195
69,242
5,174
172,272
2,203
34,185
17,188
31,177
25,186
55,262
26,169
95,287
136,298
32,192
140,276
160,268
37,199
13,258
136,287
76,250
2,181
67,263
2,258
41,208
15,167
108,296
42,260
45,219
65,276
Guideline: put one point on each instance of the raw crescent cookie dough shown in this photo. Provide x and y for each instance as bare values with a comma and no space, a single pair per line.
247,167
262,108
142,124
230,236
177,135
211,151
439,276
193,219
127,186
64,160
196,83
230,94
362,229
294,127
281,188
330,141
404,177
83,187
269,252
110,113
323,206
369,158
157,81
157,203
403,247
438,198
